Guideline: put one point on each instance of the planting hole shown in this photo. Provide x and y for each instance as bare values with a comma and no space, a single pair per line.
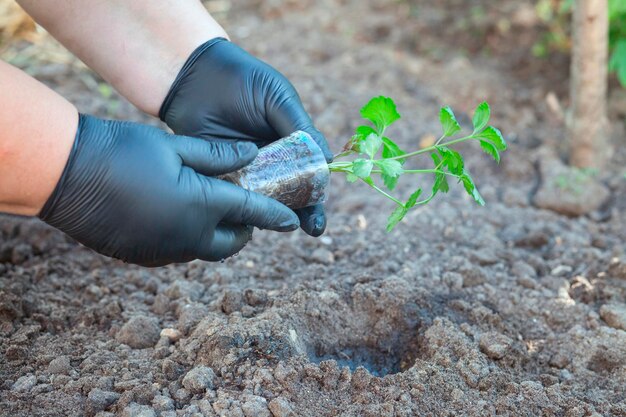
377,362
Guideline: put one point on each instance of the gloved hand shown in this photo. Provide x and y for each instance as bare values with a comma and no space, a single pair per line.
222,92
136,193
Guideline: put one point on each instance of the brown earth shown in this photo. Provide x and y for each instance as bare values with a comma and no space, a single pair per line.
462,311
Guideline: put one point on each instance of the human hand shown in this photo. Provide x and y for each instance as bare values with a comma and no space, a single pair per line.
223,92
136,193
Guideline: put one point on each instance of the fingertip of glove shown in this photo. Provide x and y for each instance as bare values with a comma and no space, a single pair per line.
314,225
319,226
247,150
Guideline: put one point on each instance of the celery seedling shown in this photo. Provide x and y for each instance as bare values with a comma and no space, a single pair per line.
370,140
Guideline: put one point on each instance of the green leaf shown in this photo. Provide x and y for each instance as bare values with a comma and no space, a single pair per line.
436,159
350,177
481,116
362,132
391,150
396,217
412,201
392,170
441,181
371,145
362,168
490,149
471,189
390,182
390,167
448,121
452,160
381,111
440,184
494,136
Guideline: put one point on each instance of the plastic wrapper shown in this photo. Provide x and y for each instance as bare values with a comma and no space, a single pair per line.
292,170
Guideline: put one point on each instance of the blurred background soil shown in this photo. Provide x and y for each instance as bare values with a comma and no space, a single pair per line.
505,310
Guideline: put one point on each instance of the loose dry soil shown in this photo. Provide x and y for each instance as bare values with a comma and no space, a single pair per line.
505,310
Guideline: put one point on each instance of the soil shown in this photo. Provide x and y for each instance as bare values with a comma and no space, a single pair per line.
462,311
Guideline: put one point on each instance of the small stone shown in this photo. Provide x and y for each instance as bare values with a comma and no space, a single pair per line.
255,406
255,297
199,379
171,369
522,270
326,240
322,256
182,395
457,394
162,403
280,407
189,315
614,315
206,408
548,380
495,345
100,400
473,276
138,410
559,360
232,301
172,334
567,190
485,256
139,332
527,282
60,365
161,304
453,280
561,270
24,383
581,289
181,288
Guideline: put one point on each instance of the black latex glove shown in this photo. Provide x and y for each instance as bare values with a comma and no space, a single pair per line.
136,193
223,92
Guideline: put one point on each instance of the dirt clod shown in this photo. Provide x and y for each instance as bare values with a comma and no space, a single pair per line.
255,406
24,383
60,365
138,410
100,400
199,379
614,315
139,332
495,345
280,407
568,191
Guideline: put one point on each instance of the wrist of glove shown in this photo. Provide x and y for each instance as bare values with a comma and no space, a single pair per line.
224,93
136,193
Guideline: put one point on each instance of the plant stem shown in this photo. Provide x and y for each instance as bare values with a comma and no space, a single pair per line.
340,166
421,171
398,202
431,148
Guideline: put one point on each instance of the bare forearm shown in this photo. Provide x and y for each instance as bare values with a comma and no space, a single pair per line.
138,46
37,130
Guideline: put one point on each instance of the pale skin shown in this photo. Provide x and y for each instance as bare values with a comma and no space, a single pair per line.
138,46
